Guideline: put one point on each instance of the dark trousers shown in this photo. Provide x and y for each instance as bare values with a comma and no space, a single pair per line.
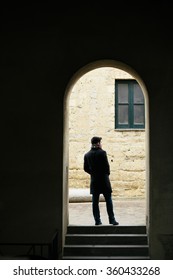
109,206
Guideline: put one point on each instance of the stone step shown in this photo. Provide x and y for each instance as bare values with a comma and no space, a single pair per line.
106,242
106,250
105,258
106,239
109,229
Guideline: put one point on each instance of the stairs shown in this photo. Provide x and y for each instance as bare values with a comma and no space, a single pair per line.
106,242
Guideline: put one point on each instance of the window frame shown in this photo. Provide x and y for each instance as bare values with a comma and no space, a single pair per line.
131,124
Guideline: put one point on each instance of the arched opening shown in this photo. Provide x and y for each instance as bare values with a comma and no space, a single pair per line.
133,75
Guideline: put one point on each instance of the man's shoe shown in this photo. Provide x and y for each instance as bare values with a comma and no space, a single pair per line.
114,223
98,223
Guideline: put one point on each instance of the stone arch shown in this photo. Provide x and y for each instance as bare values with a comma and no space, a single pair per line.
74,79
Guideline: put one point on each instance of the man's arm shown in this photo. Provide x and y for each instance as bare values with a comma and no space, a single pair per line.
86,165
106,163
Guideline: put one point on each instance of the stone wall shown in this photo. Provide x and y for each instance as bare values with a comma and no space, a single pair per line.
92,113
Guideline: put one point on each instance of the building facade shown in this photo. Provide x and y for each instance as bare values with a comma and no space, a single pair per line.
92,111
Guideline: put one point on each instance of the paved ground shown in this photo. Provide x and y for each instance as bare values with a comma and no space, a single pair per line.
127,212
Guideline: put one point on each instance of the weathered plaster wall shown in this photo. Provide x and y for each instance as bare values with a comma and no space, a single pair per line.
92,112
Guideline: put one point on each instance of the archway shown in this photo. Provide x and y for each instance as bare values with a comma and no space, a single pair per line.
76,77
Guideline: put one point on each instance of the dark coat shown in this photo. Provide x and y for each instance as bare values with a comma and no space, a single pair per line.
96,164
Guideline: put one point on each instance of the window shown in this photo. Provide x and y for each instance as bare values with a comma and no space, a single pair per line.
129,105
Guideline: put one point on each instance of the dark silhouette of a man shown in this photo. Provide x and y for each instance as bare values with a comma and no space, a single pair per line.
96,164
